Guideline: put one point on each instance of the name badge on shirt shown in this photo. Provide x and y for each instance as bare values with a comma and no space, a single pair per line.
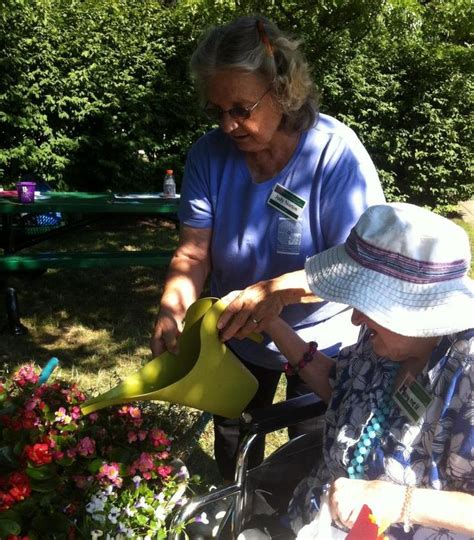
412,398
286,202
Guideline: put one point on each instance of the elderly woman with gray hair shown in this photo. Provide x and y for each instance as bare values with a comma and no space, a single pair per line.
274,183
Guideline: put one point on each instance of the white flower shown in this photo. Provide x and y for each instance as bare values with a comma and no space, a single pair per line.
130,511
160,513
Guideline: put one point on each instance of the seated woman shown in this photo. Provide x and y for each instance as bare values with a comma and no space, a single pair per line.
399,425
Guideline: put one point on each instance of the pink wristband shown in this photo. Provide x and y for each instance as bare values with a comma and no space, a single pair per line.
308,356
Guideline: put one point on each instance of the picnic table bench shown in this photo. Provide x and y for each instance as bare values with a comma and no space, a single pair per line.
84,259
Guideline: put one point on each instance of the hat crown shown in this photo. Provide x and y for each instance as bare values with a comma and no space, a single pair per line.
415,233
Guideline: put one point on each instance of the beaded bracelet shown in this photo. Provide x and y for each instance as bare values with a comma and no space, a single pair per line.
406,509
308,356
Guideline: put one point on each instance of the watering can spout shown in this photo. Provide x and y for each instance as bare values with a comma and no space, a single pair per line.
205,374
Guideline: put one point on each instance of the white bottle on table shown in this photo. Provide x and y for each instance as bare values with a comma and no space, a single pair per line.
169,185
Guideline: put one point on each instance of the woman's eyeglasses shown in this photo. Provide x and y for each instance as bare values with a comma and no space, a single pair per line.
237,113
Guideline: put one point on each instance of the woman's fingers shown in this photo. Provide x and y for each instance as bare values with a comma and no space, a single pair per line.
165,336
247,311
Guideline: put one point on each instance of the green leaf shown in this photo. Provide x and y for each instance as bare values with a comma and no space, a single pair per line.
7,458
40,473
69,427
95,465
8,526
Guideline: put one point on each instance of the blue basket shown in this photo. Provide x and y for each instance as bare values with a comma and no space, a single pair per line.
34,224
51,219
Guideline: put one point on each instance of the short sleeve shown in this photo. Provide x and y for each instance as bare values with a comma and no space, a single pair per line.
195,209
351,184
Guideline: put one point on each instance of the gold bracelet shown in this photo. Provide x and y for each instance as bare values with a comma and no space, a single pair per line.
406,509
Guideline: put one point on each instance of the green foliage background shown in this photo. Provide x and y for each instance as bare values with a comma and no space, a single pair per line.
87,84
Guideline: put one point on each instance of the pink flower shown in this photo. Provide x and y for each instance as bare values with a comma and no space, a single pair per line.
110,473
131,436
58,455
86,447
25,375
164,470
142,434
76,412
134,412
93,417
30,404
159,438
144,464
71,453
163,455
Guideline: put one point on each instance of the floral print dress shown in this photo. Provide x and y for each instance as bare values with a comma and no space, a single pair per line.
435,452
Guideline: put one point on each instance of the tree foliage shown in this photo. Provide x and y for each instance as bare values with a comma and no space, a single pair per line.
95,94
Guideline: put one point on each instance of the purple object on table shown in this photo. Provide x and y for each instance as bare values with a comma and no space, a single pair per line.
26,192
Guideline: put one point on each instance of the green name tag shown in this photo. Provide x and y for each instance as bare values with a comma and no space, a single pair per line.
286,202
412,398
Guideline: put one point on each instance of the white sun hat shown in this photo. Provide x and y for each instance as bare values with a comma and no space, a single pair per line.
404,267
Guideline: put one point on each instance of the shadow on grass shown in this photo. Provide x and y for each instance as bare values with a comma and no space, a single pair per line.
95,318
98,323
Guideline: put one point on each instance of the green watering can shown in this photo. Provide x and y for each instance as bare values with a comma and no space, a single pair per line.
205,374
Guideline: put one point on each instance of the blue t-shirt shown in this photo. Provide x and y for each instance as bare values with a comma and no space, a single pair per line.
252,241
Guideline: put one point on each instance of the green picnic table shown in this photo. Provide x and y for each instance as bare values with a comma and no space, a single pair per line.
81,209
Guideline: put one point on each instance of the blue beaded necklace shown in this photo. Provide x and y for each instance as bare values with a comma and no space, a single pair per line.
373,432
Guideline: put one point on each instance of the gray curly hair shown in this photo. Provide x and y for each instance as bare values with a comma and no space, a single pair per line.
256,45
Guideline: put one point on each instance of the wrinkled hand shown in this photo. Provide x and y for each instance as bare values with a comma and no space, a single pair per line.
165,334
249,310
346,498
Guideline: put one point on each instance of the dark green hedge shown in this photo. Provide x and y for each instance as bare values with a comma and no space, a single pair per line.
95,94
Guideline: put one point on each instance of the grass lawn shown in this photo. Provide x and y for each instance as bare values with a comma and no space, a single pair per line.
98,323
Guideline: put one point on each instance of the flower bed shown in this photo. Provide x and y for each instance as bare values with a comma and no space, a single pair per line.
65,475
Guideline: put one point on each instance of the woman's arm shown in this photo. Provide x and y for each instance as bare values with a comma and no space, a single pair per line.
452,510
316,372
262,302
188,270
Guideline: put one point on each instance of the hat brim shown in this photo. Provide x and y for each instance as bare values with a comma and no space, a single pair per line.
409,309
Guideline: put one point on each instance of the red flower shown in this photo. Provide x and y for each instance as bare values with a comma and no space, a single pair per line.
38,453
19,493
29,420
6,501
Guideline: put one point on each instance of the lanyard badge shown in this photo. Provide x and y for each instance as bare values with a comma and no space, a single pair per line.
412,399
286,202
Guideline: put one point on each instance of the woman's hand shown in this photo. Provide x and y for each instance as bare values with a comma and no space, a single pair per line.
165,334
249,310
253,308
346,498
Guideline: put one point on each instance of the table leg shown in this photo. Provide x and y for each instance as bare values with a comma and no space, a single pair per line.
13,314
